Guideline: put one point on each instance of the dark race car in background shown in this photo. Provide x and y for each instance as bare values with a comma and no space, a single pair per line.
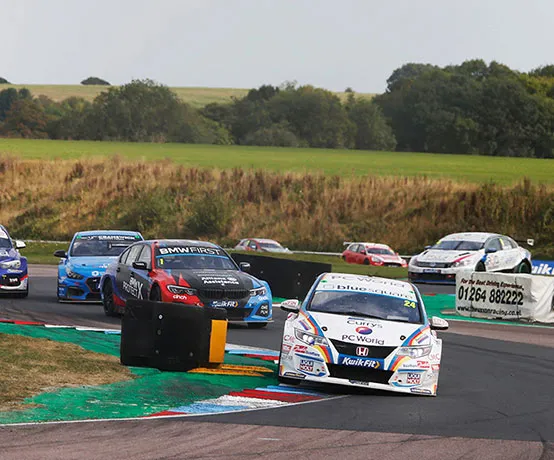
187,272
14,278
90,253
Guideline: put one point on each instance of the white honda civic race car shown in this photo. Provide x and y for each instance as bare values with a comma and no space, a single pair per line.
362,331
479,251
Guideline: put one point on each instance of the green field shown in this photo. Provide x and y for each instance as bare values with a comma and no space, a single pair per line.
195,96
470,168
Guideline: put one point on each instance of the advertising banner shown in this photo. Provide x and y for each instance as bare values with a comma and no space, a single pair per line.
505,296
543,267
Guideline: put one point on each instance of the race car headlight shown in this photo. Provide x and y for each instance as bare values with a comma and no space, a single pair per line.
11,264
310,339
181,290
376,260
74,276
258,291
414,352
463,262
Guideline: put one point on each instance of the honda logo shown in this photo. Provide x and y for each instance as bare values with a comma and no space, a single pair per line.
362,351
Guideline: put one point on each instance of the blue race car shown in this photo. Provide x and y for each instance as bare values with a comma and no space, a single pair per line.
14,278
90,253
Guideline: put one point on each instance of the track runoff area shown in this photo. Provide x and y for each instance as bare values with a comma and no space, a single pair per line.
494,401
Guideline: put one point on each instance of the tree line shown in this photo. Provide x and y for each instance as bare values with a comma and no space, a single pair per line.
471,108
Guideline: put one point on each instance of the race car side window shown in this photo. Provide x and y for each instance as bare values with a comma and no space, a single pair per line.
494,243
123,257
145,255
361,249
509,243
252,245
351,247
133,253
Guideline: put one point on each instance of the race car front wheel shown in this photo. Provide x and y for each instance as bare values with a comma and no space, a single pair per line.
523,267
480,267
107,299
156,294
285,380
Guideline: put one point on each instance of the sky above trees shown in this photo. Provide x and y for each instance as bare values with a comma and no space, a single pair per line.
247,43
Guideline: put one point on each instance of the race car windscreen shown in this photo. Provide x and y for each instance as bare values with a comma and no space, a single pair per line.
366,304
456,245
383,251
101,245
192,258
5,242
269,245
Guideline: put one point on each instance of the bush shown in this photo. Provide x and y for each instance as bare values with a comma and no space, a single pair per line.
95,81
3,81
210,215
277,135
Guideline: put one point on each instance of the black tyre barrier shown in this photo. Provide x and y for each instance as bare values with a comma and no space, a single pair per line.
172,336
291,279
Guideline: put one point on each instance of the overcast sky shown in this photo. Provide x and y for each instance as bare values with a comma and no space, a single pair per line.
246,43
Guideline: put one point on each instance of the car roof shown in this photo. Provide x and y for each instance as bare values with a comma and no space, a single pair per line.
479,237
374,245
107,232
368,284
176,242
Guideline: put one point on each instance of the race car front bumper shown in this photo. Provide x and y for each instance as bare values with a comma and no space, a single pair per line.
85,290
307,366
432,275
14,282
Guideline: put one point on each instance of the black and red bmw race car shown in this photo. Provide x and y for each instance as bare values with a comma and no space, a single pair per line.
188,272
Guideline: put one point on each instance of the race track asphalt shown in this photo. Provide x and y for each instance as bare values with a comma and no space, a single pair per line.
489,390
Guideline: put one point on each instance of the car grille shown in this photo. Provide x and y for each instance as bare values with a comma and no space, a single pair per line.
227,294
10,280
345,348
433,264
93,283
363,374
392,264
237,314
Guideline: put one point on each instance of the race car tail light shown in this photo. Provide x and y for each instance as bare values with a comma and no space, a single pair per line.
310,339
414,352
174,289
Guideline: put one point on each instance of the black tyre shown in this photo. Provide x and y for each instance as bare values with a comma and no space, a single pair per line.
156,294
366,261
256,325
107,299
480,267
523,267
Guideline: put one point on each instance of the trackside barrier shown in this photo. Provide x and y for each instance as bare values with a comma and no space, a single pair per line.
505,296
291,279
169,337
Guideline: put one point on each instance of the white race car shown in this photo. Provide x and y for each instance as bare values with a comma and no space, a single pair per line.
362,331
478,251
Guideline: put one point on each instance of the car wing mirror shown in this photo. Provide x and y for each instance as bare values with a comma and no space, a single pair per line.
140,265
428,247
490,250
438,324
245,267
291,305
61,254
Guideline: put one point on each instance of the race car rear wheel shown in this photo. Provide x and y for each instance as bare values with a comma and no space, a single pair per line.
107,299
480,267
523,267
366,261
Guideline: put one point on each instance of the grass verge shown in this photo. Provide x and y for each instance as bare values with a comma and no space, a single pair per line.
31,366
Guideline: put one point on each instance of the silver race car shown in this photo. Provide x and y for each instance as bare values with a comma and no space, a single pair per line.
478,251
